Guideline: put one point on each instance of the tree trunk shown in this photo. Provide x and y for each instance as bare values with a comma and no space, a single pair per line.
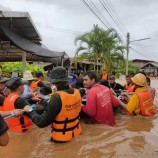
97,64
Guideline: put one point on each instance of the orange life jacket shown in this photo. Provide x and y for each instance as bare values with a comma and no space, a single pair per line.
66,124
146,103
130,87
1,106
104,76
16,124
34,85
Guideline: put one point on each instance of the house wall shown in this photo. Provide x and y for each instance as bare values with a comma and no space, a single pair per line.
140,63
151,71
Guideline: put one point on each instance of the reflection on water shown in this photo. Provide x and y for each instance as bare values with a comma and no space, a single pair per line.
131,137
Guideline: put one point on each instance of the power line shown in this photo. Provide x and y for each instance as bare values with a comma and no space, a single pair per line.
94,6
116,14
94,13
141,53
105,6
59,29
142,47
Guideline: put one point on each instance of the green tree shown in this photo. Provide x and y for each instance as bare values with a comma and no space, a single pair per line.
131,68
100,45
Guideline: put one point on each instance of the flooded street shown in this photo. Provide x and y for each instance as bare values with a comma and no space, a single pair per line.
132,137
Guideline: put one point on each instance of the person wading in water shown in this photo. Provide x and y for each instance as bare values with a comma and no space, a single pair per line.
62,110
141,101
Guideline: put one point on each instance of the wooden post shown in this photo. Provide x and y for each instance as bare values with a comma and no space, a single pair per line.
23,62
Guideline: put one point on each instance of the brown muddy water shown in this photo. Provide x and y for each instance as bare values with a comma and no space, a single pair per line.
132,137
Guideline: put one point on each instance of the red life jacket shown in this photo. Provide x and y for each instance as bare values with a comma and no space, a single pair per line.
146,103
16,124
130,87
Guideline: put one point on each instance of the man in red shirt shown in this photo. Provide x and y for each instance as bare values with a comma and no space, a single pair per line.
100,101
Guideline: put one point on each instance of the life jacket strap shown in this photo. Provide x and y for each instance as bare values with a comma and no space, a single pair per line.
67,121
67,129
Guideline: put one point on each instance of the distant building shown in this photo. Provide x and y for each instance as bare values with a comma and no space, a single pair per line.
151,69
86,64
140,63
148,66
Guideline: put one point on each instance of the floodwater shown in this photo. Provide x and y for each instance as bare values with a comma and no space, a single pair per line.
132,137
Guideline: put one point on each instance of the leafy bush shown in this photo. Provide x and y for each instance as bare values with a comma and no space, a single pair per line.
8,67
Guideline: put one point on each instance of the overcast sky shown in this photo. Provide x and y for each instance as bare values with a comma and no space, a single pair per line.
61,21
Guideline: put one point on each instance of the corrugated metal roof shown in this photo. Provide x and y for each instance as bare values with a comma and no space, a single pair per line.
21,23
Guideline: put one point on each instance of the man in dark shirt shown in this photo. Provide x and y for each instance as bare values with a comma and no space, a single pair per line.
115,86
15,101
66,102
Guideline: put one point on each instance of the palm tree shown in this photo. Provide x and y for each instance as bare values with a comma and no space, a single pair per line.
100,45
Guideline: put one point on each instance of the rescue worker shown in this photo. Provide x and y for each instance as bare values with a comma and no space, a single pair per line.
104,75
2,89
129,86
15,101
62,110
141,101
39,81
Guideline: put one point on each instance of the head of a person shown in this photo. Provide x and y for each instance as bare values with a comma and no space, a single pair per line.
148,81
79,83
27,76
58,77
89,79
39,74
104,83
3,81
15,84
104,71
128,78
139,80
112,79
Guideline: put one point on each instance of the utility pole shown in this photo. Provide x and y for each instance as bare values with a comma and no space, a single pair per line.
128,41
